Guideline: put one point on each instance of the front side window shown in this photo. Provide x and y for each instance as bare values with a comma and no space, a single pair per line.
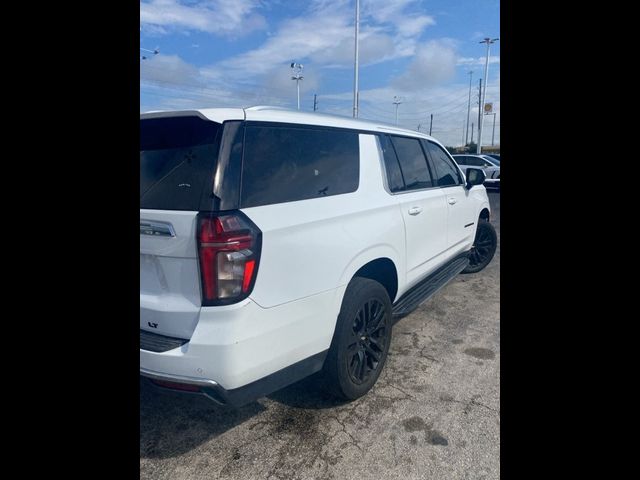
289,163
413,163
447,174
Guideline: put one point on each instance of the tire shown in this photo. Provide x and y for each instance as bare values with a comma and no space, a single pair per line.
484,247
351,368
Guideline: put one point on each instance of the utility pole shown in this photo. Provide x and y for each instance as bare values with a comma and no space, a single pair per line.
466,141
479,105
315,102
463,134
355,64
471,132
297,76
488,41
431,124
396,102
493,133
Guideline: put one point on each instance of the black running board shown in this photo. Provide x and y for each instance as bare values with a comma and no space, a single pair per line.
429,286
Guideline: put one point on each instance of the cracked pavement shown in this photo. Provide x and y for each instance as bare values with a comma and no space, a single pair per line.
434,413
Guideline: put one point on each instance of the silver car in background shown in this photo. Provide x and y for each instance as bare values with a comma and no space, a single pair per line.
490,165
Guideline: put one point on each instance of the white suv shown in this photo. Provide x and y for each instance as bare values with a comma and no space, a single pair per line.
275,244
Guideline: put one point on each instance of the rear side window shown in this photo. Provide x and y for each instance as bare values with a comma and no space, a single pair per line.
447,174
285,164
413,163
472,161
177,158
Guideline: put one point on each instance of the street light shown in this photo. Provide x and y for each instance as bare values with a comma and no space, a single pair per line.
356,94
396,102
488,41
297,76
466,141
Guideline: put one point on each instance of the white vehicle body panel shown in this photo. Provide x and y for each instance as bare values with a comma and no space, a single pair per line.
311,249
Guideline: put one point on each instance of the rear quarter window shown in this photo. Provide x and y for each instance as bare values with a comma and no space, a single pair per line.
285,164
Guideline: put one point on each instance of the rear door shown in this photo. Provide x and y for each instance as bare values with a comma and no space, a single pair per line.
178,156
423,205
461,208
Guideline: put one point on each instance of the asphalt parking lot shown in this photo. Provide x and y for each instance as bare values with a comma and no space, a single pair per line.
434,413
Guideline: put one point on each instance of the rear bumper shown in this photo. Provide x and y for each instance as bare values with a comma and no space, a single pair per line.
240,352
243,395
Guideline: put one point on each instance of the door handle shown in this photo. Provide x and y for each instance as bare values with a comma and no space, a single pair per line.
415,210
452,200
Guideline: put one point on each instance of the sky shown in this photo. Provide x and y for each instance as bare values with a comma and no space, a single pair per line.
237,53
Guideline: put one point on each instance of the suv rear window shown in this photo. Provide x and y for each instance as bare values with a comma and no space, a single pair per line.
177,158
285,164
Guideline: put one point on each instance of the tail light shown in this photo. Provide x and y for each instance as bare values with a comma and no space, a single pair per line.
229,252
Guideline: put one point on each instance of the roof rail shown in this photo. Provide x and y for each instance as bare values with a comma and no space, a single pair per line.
267,107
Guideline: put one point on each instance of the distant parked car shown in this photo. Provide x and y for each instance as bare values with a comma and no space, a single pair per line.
490,165
495,156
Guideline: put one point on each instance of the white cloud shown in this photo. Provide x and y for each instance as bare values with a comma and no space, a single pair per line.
221,17
433,64
477,61
373,48
168,69
322,37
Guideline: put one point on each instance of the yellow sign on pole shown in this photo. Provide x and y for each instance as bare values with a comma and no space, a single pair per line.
488,107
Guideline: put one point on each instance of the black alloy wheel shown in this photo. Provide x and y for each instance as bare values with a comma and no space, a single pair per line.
367,342
361,339
483,249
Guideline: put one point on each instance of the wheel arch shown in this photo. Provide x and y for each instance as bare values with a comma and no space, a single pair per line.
380,263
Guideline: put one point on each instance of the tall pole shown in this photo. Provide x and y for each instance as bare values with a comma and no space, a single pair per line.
479,105
355,64
488,41
431,124
297,76
315,102
471,132
396,102
466,140
493,134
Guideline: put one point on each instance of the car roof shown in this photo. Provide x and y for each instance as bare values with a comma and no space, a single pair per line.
264,113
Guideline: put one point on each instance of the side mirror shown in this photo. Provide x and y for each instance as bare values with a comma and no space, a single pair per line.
475,176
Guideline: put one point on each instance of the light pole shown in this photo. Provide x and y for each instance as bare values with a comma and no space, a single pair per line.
466,141
493,133
396,102
297,76
355,64
488,41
